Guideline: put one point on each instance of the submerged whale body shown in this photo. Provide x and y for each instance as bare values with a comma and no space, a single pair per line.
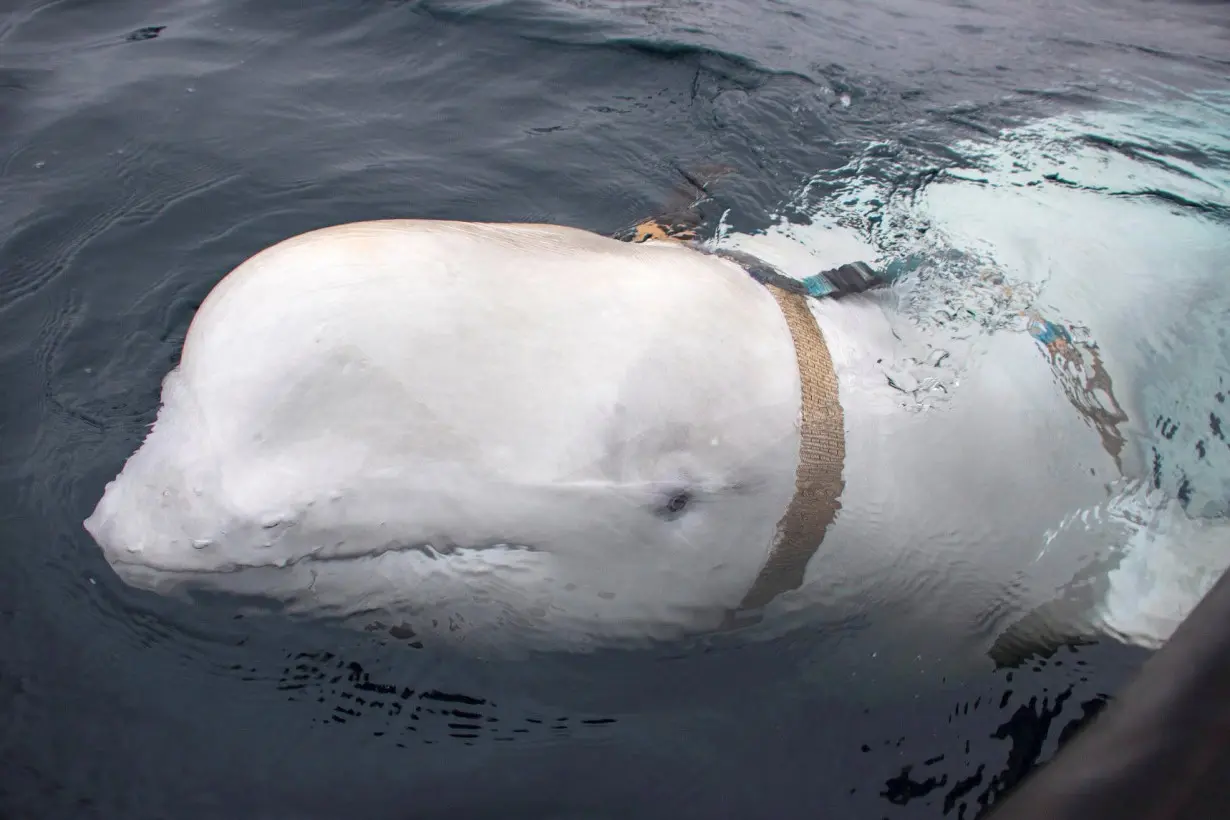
535,436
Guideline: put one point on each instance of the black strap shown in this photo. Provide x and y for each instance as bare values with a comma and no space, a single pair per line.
853,277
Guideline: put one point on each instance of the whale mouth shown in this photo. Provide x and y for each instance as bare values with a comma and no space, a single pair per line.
221,569
249,585
156,577
433,549
168,580
291,589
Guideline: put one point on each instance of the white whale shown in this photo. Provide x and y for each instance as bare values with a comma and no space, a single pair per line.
537,437
470,422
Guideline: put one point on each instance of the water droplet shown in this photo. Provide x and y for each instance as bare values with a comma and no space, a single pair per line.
202,543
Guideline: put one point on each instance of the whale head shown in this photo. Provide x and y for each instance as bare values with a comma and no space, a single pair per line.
524,430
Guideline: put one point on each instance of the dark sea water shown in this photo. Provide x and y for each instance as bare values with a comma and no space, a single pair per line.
144,153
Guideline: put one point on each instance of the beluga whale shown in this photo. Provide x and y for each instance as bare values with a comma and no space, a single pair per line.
531,437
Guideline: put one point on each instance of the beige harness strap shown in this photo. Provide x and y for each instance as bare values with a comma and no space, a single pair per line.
822,450
818,481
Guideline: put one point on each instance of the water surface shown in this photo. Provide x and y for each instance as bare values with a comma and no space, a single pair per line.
146,153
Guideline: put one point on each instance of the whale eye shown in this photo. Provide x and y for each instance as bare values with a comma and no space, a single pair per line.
674,505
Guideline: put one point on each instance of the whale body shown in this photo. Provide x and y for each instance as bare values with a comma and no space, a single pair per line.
535,436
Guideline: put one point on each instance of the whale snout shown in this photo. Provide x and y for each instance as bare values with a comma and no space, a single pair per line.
139,550
151,520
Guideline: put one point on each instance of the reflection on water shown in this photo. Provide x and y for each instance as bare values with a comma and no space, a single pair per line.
149,155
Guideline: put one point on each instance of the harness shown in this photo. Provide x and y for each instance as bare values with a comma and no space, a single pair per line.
822,451
853,277
818,478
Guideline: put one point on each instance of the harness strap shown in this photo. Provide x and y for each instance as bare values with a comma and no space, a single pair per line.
818,478
853,277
